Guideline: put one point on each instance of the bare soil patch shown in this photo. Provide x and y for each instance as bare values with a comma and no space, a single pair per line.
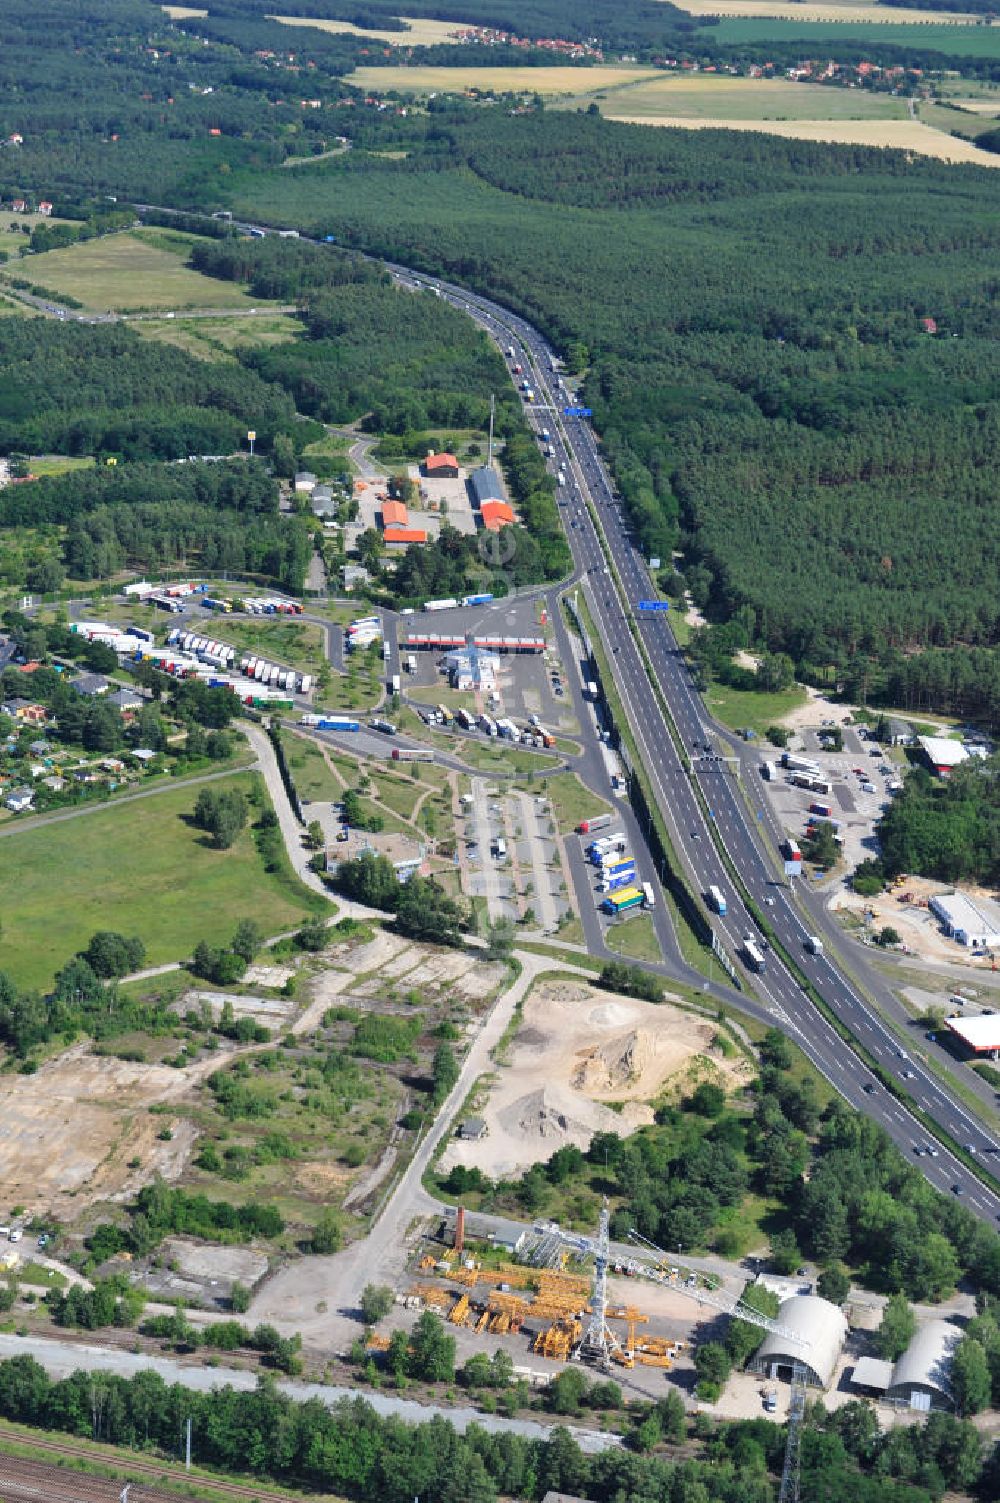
587,1061
72,1128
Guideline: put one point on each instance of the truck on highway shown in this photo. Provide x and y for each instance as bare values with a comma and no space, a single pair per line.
561,478
440,605
385,726
332,722
610,883
810,782
817,807
716,900
752,954
599,822
412,754
592,691
649,897
792,852
410,663
814,944
394,683
768,771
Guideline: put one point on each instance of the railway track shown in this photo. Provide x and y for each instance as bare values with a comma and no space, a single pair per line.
23,1480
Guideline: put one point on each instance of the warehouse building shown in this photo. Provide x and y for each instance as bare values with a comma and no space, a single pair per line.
485,485
921,1378
974,922
942,756
813,1334
981,1036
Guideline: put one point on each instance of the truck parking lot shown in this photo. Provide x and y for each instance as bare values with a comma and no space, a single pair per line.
850,787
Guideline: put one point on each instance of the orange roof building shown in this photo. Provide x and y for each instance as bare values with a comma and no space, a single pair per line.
404,535
496,514
441,466
394,514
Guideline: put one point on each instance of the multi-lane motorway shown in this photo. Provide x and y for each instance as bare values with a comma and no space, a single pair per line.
695,789
706,807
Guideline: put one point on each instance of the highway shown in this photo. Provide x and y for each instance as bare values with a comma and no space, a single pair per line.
614,577
694,788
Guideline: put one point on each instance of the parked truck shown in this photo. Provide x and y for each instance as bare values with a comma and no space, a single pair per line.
598,822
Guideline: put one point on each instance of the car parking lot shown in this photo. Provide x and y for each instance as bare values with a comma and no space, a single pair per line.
510,855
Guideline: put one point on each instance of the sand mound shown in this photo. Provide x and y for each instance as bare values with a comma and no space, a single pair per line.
620,1062
553,1112
611,1015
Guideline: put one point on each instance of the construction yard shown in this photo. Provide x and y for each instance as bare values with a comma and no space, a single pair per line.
586,1061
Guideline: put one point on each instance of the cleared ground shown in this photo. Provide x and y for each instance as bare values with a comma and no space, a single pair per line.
71,1129
420,32
586,1061
863,11
902,135
141,868
181,12
127,271
554,80
711,97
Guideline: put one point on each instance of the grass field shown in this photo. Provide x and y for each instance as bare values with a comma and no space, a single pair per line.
635,938
571,802
959,41
296,644
745,707
218,338
314,782
860,11
554,80
57,464
710,96
129,271
140,868
420,32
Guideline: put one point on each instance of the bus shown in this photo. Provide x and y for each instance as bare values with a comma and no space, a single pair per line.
412,754
752,954
622,901
716,900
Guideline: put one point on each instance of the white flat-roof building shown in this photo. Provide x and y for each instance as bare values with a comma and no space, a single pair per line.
974,922
981,1035
942,754
471,668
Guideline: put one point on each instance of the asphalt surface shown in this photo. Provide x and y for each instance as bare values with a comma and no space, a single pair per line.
615,578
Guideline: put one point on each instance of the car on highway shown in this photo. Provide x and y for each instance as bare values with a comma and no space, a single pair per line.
868,1088
956,1188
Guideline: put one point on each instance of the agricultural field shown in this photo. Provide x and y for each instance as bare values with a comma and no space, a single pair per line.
218,339
134,270
867,12
182,12
719,98
901,135
514,80
816,37
420,31
139,868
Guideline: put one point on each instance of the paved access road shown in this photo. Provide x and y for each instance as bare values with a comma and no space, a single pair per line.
60,1358
695,788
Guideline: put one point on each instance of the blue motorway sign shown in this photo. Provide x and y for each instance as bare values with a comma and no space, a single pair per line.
654,605
577,412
